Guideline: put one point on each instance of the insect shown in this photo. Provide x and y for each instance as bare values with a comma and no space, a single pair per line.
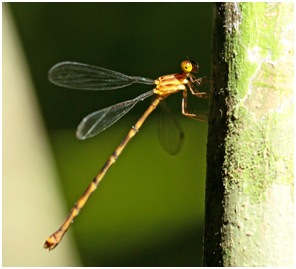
86,77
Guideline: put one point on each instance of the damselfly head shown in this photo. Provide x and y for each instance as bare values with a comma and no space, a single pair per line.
189,66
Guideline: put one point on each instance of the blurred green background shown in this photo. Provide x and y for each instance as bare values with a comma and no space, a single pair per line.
149,209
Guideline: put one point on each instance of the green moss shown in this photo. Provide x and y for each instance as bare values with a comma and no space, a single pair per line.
262,27
256,86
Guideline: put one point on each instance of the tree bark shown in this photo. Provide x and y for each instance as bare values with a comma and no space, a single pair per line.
249,215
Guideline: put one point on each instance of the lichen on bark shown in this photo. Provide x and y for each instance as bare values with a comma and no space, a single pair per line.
250,140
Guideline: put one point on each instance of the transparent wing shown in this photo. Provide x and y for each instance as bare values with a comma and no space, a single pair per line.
86,77
99,121
170,133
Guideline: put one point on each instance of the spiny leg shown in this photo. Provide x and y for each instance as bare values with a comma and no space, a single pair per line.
194,90
185,111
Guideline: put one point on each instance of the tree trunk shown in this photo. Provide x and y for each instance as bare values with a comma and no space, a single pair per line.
249,190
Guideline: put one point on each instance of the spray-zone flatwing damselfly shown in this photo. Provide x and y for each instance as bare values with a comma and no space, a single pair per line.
86,77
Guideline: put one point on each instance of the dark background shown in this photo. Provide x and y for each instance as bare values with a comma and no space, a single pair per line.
149,209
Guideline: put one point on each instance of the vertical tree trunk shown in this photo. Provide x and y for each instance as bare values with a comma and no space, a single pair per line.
249,190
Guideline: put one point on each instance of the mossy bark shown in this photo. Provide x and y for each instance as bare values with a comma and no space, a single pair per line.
249,190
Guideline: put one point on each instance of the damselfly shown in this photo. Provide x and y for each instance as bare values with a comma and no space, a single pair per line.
86,77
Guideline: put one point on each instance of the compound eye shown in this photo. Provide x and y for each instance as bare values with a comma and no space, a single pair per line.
186,66
195,67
